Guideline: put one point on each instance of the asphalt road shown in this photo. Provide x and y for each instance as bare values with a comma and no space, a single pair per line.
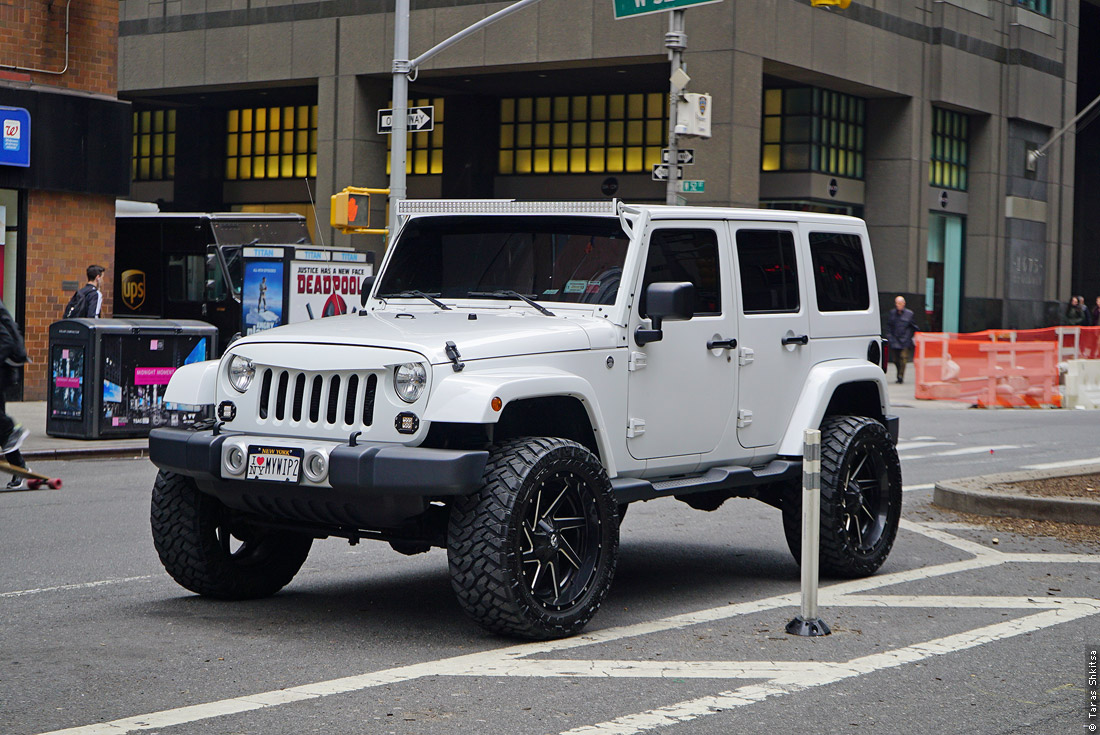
953,635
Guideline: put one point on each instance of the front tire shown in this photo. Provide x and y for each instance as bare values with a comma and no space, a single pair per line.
533,552
206,548
860,498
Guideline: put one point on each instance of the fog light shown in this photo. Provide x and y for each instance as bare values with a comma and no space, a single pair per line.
316,466
234,460
227,411
406,423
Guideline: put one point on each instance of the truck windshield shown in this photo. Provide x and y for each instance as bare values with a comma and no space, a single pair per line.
566,259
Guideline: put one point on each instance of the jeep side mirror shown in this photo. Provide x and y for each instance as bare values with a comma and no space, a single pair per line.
665,301
364,290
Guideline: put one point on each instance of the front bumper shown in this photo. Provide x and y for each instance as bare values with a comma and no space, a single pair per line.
362,471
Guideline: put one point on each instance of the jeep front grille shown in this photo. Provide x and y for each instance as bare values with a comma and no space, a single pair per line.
327,399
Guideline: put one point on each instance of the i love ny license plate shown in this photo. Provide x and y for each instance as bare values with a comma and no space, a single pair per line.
274,464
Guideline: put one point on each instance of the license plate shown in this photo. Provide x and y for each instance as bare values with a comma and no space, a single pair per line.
274,464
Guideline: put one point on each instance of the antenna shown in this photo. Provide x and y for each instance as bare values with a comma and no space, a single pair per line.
316,221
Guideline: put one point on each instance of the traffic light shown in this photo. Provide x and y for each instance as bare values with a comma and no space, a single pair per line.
842,4
349,210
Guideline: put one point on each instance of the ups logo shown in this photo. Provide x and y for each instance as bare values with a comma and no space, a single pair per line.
133,289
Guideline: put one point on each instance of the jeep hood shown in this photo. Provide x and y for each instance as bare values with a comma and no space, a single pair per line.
503,333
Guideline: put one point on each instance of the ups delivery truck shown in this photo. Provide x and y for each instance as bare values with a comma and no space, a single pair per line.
189,265
241,272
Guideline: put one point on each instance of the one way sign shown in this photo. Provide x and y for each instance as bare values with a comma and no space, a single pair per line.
660,172
419,120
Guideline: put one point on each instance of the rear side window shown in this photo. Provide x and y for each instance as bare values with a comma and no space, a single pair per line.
840,273
686,255
769,273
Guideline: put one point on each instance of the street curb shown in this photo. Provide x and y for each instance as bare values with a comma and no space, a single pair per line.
69,453
972,495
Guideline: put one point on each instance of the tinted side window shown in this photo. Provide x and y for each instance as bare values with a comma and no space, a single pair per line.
840,273
686,255
769,273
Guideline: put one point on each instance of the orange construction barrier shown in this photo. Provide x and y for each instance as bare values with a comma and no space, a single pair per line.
999,367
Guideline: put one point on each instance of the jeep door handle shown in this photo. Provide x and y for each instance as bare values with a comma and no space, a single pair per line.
722,344
803,339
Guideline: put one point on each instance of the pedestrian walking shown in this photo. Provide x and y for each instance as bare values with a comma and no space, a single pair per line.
900,328
1094,314
87,302
13,353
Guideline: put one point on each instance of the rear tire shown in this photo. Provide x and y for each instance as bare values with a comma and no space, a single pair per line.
206,547
860,498
532,553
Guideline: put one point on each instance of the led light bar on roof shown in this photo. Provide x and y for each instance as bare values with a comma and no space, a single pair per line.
501,206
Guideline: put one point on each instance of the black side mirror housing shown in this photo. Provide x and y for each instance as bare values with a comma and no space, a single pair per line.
365,289
669,301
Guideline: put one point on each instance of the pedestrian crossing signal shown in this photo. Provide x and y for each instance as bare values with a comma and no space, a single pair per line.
349,210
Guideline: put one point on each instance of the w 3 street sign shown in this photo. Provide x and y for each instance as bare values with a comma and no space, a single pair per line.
628,8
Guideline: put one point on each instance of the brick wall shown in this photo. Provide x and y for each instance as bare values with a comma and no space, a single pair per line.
34,36
67,233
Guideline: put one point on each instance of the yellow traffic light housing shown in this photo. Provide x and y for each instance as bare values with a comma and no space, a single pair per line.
349,211
842,4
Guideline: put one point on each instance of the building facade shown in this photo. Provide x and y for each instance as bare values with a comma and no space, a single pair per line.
63,162
917,117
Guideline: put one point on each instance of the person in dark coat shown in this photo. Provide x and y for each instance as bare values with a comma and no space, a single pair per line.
12,354
1094,314
1077,314
900,328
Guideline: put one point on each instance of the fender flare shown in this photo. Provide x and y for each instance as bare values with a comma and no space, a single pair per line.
194,385
818,390
466,398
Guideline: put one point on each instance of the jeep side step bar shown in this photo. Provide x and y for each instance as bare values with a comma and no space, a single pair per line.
629,489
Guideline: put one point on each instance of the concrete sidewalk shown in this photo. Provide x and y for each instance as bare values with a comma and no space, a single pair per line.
39,446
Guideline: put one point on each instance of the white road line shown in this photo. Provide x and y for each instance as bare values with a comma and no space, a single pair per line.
816,674
904,446
963,451
783,682
1060,465
80,586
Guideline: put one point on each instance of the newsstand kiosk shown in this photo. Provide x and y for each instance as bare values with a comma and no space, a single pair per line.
107,376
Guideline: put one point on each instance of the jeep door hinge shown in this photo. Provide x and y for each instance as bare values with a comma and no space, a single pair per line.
744,418
745,356
634,428
637,361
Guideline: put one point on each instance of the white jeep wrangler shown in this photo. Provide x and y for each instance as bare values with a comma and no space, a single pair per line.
518,374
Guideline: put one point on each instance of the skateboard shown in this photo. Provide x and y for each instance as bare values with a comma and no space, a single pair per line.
35,480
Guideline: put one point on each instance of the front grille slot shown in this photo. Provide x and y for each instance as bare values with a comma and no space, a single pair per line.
330,400
368,400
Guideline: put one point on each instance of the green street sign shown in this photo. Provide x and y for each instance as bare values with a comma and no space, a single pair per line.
628,8
697,186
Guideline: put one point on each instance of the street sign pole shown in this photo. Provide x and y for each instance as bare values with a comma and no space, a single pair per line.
676,41
401,69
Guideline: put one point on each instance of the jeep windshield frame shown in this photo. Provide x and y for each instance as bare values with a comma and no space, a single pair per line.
564,259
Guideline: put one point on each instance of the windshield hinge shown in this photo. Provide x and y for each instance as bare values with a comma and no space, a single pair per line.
637,361
453,356
635,428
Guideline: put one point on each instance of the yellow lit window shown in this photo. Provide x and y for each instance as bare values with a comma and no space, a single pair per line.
153,155
271,143
423,151
615,133
948,167
812,129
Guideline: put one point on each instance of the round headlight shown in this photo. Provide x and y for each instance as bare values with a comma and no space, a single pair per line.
409,380
241,371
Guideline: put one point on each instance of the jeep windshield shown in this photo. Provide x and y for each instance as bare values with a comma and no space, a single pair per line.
564,259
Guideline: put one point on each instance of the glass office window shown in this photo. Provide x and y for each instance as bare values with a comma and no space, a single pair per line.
424,150
154,146
271,143
948,167
812,129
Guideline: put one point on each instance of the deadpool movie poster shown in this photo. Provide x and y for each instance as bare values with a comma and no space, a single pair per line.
320,289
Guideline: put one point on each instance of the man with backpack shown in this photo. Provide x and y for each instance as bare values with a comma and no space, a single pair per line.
87,302
13,353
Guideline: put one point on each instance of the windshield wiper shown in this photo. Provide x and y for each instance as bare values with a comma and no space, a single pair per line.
414,294
505,293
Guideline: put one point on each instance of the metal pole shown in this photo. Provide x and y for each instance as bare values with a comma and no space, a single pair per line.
401,70
808,623
676,41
